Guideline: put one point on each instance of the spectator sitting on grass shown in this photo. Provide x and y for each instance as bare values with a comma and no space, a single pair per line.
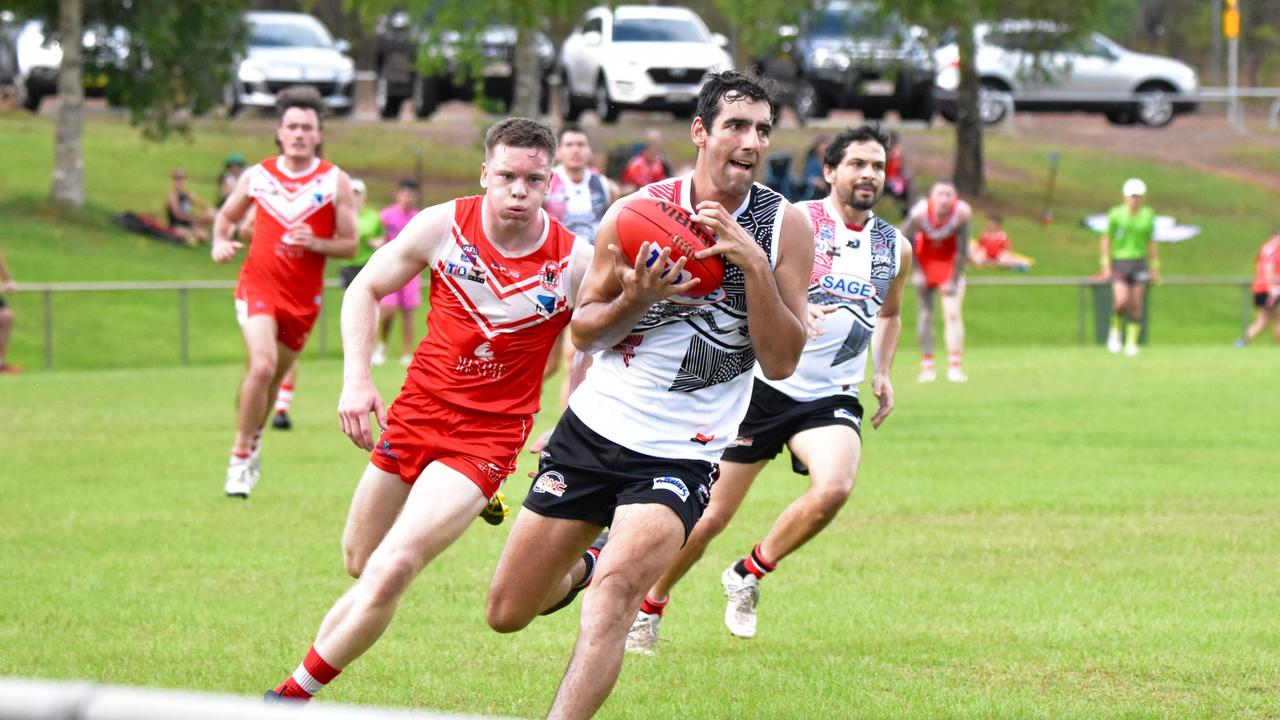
992,249
189,218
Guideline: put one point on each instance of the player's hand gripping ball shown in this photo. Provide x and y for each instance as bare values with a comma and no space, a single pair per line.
667,225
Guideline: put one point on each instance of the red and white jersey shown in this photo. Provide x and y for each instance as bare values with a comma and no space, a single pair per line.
494,316
1268,259
937,239
852,270
282,199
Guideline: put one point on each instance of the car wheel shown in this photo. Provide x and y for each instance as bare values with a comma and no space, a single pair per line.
1120,117
604,105
993,104
29,99
426,96
570,111
1154,107
388,105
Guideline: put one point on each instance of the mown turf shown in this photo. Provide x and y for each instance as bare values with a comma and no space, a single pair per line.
1070,535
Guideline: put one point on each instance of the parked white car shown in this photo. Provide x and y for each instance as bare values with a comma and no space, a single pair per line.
638,56
291,49
1091,73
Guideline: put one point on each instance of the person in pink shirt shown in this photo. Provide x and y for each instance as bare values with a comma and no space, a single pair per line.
408,298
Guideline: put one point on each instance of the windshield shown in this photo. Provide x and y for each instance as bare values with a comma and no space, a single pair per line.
279,35
657,30
850,23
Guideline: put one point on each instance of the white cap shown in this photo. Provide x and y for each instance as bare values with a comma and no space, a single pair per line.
1134,186
357,185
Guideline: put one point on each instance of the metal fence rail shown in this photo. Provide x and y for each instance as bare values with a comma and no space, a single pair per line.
183,288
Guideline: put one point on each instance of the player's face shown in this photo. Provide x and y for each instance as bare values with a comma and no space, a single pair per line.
406,197
299,133
735,144
943,198
515,181
574,152
1134,202
858,180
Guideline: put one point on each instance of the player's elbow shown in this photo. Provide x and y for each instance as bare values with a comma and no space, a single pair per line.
779,369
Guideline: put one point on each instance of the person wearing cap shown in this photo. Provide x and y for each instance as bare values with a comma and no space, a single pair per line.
231,169
1130,260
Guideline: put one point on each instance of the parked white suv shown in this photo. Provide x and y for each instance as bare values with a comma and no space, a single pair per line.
638,56
286,49
1089,72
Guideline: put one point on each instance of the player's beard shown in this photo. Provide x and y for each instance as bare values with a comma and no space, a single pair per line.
853,201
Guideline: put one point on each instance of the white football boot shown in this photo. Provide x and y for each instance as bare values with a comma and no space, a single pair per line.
642,638
743,594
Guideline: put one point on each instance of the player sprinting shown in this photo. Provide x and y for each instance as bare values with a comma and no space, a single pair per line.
1131,261
304,212
938,228
638,448
855,296
503,276
1266,292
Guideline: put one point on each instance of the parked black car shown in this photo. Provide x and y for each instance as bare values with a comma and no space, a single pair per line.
400,42
847,55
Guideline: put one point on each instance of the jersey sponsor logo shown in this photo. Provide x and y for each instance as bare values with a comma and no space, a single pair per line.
551,483
627,348
482,364
470,253
847,414
702,439
549,276
484,351
709,299
672,484
545,305
743,441
466,271
847,287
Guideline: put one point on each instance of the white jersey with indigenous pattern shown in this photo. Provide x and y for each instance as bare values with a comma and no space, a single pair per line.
852,270
678,385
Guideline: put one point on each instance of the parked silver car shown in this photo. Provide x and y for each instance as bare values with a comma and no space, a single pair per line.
1089,72
291,49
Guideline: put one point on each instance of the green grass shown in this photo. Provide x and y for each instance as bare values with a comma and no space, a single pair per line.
1070,535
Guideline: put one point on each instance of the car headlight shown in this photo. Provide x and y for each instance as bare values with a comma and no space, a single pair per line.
824,59
346,71
252,72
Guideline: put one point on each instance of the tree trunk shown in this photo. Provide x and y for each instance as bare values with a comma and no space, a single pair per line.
528,76
969,177
68,173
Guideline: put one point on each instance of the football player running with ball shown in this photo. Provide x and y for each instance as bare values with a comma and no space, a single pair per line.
637,450
855,296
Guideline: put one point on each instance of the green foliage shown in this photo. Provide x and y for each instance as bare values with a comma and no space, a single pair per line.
173,60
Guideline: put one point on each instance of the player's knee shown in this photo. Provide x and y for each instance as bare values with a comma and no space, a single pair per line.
708,527
386,582
504,615
354,560
262,370
618,591
831,497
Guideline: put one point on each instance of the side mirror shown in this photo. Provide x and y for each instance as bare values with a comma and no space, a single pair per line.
720,40
592,38
342,46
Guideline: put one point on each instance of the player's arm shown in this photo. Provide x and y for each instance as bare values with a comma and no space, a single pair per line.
777,298
1104,254
390,268
615,293
224,246
884,341
1153,256
962,250
345,240
911,225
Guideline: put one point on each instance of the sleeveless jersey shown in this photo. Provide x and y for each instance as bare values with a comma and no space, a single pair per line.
678,385
290,272
1268,257
935,243
852,270
493,317
578,205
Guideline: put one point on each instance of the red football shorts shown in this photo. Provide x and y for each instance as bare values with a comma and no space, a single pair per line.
292,328
421,430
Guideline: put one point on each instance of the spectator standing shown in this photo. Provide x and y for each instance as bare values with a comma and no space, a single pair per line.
1130,260
407,299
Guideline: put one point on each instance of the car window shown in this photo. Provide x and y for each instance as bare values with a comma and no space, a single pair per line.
593,25
657,30
272,35
851,22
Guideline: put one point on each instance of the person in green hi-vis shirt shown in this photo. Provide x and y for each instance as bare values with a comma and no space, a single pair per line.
1129,258
370,233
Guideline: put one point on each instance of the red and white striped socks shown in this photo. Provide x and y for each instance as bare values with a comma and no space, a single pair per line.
654,607
310,678
955,359
284,398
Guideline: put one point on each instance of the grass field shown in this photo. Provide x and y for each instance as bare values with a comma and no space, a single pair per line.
1070,535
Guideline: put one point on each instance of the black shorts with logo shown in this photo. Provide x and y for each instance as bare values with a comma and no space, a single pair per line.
1130,272
774,418
584,476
